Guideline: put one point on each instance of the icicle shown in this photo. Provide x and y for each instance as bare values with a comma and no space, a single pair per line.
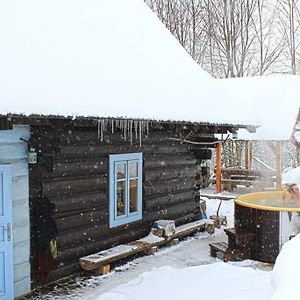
98,121
136,129
121,125
101,131
112,126
124,129
140,133
147,127
130,123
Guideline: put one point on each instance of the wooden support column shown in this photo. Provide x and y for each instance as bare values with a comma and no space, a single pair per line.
248,155
277,150
218,167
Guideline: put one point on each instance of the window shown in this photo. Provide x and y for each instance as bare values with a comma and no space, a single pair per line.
125,188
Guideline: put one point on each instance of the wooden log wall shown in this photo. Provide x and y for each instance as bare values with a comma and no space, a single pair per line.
73,171
265,225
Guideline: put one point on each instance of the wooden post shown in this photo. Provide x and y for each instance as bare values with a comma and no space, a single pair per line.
248,155
218,167
278,165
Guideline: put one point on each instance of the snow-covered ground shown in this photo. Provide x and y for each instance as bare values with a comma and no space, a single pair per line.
186,271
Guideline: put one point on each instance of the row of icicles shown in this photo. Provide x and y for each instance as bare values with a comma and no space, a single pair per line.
131,129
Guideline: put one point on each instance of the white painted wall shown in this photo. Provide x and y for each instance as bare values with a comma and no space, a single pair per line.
13,151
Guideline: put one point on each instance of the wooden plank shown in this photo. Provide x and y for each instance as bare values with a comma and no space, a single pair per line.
239,181
190,228
219,196
98,259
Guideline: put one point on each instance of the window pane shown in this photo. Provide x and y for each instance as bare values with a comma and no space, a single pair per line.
121,198
133,195
133,169
121,170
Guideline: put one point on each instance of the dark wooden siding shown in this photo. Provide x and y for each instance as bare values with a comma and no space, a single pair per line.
73,170
265,225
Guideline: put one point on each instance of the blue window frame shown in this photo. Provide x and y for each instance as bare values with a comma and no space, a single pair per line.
125,188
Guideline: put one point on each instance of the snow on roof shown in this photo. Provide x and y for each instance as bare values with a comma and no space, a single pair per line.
114,58
107,58
272,102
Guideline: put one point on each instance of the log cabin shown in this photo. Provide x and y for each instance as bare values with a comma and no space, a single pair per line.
106,119
109,179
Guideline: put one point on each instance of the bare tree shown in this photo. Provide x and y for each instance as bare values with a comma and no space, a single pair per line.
235,38
184,20
269,43
289,16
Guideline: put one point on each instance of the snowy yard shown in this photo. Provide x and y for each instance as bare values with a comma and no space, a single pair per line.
184,271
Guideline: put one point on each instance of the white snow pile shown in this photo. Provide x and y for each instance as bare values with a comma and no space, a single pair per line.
285,275
219,280
213,281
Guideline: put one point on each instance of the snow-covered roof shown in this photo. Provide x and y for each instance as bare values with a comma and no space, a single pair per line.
107,58
114,58
272,102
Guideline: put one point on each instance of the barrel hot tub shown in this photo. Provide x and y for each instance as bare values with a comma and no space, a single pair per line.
269,218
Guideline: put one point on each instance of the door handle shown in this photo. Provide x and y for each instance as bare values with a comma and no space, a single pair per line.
8,229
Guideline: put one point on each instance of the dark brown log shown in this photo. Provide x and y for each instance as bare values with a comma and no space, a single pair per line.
168,201
159,174
79,203
60,187
168,187
92,218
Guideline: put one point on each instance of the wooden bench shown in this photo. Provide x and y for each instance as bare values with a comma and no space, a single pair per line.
231,177
100,261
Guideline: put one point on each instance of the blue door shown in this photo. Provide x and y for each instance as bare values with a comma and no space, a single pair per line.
6,249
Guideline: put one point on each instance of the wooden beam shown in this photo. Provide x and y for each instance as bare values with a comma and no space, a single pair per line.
277,150
248,155
218,167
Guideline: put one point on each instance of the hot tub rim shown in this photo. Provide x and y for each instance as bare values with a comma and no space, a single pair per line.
242,200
